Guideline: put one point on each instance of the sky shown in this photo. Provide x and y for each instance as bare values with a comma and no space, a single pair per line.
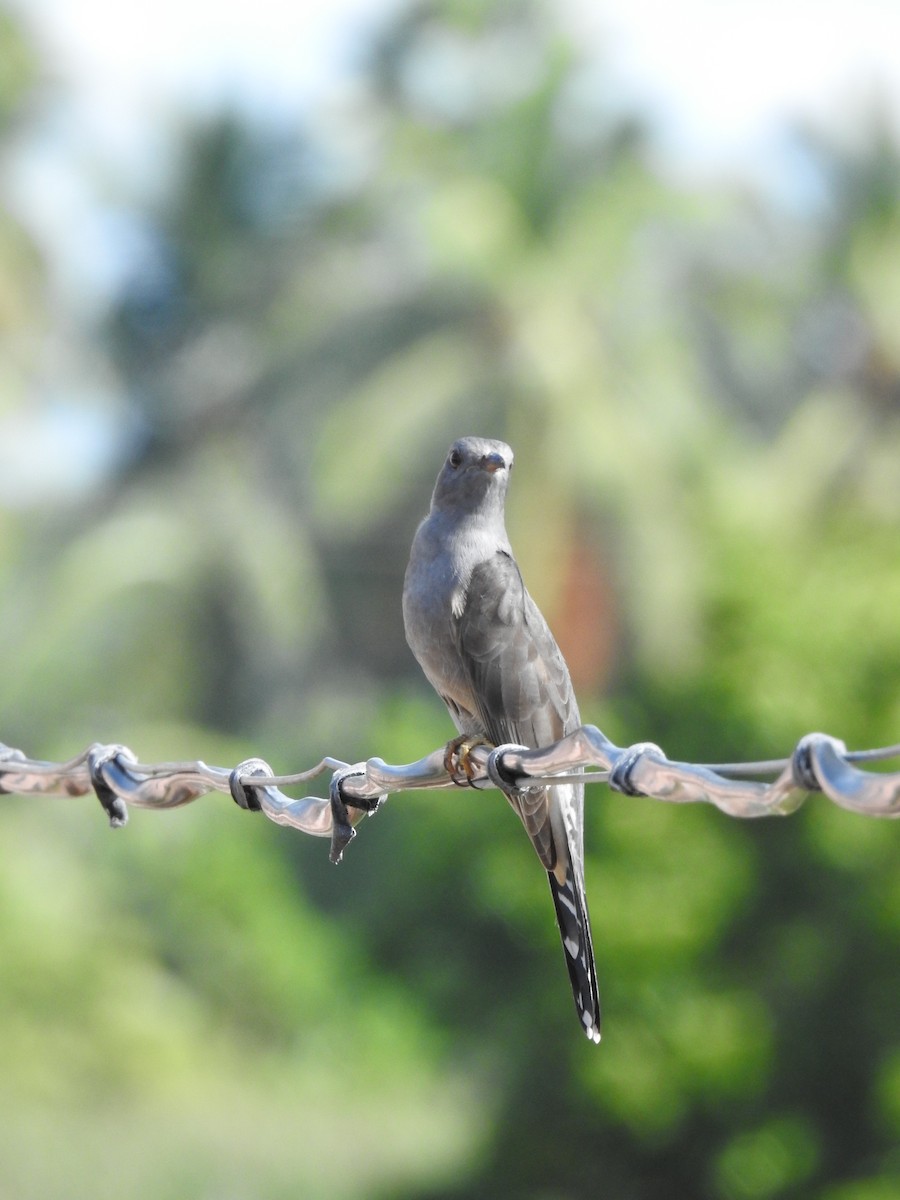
725,76
721,81
719,74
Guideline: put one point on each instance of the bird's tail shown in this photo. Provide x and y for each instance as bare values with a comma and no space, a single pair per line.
575,930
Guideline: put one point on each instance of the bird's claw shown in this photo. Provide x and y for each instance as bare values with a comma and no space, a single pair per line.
457,762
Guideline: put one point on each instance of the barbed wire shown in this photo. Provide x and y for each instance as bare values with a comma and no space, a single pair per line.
819,763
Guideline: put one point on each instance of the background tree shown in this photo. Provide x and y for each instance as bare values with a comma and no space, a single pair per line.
701,390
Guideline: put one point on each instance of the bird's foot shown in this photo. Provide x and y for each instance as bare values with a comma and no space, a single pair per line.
457,762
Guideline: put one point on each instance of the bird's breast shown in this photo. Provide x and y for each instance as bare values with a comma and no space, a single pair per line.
433,596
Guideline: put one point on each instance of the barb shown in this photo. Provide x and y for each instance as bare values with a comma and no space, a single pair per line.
819,763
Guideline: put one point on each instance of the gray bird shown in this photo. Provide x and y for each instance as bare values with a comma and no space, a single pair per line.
488,653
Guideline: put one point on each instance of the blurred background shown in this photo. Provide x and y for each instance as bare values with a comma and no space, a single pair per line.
257,269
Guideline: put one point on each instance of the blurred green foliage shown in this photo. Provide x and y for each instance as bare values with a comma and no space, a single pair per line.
702,389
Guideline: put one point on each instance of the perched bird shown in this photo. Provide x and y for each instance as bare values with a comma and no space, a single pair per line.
488,653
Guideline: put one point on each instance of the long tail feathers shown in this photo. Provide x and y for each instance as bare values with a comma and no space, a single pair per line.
575,930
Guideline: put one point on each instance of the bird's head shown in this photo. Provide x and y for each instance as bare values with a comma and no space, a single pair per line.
474,477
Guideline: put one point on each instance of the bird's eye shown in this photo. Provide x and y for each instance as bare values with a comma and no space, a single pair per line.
455,459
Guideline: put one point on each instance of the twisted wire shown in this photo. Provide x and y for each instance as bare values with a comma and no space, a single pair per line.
118,779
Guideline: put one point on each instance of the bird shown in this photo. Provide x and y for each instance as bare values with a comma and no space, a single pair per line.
487,651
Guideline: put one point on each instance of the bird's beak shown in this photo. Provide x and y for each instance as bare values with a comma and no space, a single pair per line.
493,462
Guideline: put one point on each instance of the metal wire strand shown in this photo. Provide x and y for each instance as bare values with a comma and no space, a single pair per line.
819,763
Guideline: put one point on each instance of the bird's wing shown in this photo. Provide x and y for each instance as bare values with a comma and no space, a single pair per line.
522,691
520,682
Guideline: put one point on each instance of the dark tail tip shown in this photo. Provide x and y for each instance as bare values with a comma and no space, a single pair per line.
575,931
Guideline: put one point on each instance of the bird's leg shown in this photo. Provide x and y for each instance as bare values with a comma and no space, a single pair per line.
457,763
